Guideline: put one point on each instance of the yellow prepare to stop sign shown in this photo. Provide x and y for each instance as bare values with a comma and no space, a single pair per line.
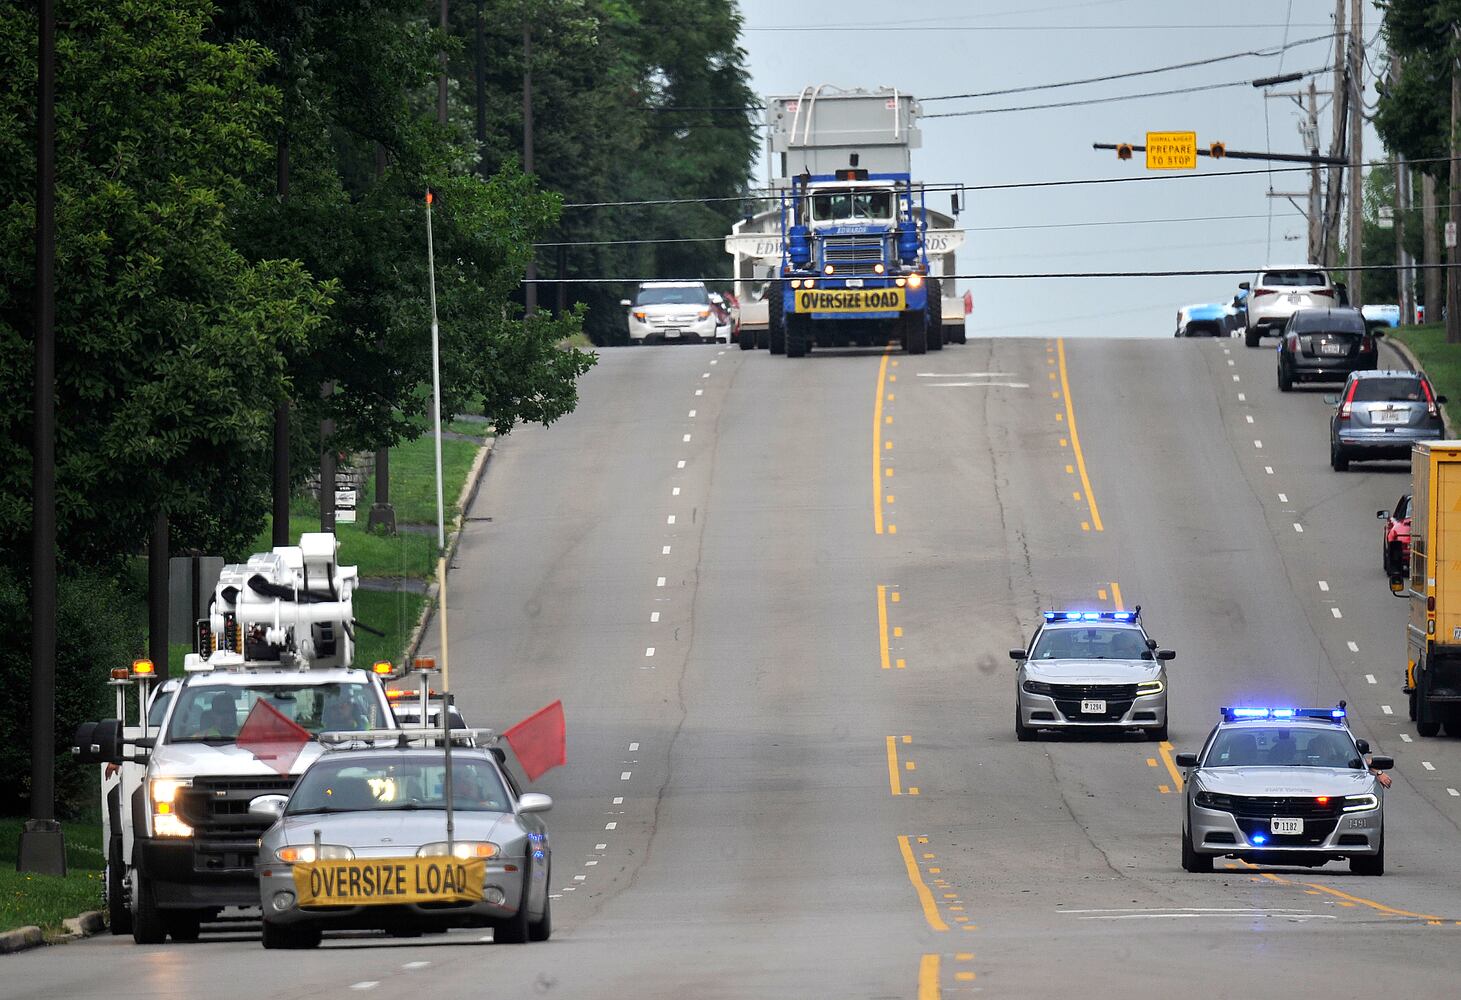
849,300
1171,150
385,881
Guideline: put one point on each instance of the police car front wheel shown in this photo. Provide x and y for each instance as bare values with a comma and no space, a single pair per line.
1193,862
1369,864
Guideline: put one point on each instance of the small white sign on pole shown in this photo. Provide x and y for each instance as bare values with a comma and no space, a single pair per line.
345,515
1450,235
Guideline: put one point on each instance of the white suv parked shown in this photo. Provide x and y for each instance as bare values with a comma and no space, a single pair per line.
1279,292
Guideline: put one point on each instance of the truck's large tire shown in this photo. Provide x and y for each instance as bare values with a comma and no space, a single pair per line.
935,313
775,318
119,913
148,926
798,335
747,339
913,331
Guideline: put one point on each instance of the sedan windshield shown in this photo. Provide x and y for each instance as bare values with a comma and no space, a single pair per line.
1089,644
1388,390
214,713
398,782
685,295
1276,746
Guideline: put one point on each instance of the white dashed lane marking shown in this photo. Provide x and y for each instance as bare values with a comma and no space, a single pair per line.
1298,527
680,464
1370,679
368,984
1242,398
692,413
1336,613
1354,648
1453,792
633,747
415,965
1249,418
659,581
624,775
1427,765
1405,738
601,847
1387,710
1235,378
686,439
699,392
648,650
611,826
675,492
1257,443
1323,584
670,519
1268,469
654,616
665,551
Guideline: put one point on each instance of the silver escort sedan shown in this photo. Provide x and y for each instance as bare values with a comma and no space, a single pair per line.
1284,786
1091,670
362,843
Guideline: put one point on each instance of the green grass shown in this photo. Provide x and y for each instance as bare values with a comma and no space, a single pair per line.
395,614
46,900
413,476
1441,361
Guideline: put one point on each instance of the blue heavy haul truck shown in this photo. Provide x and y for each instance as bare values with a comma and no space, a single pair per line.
854,266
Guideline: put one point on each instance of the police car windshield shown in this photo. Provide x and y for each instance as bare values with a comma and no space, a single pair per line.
1094,643
684,295
214,713
397,782
1281,746
852,204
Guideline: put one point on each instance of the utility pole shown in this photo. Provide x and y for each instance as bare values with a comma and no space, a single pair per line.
329,466
280,530
42,847
1431,250
1316,224
157,593
1453,213
1334,184
530,285
441,77
1404,292
481,30
382,512
1356,228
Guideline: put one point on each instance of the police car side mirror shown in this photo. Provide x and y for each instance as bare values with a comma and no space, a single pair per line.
269,807
1017,654
1186,760
534,802
1382,763
1166,654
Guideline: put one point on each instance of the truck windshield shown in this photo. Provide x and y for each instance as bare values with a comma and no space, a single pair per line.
398,781
213,713
1275,746
851,204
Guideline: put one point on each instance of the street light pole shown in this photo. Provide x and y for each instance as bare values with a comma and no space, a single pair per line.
42,846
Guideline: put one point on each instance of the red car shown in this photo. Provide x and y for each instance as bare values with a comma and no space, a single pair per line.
1396,555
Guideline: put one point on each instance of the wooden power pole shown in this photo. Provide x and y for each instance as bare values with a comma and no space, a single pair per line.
1355,248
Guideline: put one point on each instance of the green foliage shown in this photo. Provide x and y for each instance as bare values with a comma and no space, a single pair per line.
171,346
46,900
98,628
1413,113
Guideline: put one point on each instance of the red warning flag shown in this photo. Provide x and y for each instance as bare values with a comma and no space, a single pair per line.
540,740
968,303
272,737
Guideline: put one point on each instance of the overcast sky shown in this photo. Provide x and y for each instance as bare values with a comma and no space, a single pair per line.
957,46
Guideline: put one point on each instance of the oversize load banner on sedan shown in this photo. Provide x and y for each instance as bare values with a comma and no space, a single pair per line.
850,300
385,881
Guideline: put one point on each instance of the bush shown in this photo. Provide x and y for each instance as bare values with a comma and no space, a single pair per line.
99,626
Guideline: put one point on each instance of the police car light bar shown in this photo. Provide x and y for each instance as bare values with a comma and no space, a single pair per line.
1234,714
1091,616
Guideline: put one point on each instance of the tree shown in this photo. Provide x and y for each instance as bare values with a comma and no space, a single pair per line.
171,344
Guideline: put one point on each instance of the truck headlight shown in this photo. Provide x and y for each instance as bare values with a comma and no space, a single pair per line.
1359,803
1150,687
464,849
165,790
306,853
168,825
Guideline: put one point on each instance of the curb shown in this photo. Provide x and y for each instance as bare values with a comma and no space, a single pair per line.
1406,353
465,499
78,927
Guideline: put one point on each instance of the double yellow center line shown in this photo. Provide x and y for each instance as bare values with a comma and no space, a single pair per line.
1075,439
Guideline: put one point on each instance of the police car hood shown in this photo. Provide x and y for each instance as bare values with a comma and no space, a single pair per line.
387,832
1333,781
186,760
1092,671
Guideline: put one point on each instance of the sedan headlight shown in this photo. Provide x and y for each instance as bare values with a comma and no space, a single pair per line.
1211,800
1359,803
1038,687
1150,687
460,849
306,853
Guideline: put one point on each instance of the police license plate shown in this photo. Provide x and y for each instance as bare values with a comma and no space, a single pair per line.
1282,826
1093,707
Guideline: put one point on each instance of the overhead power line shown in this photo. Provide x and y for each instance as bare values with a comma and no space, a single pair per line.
1110,100
1276,50
822,28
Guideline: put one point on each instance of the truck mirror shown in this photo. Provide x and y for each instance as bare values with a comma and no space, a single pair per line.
1397,586
106,742
81,743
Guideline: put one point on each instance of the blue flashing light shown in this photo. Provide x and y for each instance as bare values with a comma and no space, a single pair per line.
1260,838
1089,616
1245,712
1282,713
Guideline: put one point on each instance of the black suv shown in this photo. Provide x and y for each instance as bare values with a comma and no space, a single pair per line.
1325,345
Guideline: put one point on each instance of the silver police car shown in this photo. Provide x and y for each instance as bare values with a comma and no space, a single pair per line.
1091,670
1284,786
361,843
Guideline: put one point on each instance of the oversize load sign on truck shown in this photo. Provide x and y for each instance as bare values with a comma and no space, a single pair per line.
850,300
382,881
1171,150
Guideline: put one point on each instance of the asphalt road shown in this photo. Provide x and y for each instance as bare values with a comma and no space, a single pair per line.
776,598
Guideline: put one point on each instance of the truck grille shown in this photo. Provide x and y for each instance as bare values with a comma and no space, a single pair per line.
852,255
225,836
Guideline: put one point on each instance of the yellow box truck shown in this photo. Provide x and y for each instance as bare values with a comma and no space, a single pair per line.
1433,635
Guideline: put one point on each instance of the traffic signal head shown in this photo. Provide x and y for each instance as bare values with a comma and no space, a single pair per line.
1123,151
1217,150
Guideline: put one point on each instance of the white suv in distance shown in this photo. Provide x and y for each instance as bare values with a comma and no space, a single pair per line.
1279,292
671,310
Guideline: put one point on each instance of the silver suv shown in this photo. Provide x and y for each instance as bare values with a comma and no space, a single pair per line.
1284,786
1279,292
1091,670
671,310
